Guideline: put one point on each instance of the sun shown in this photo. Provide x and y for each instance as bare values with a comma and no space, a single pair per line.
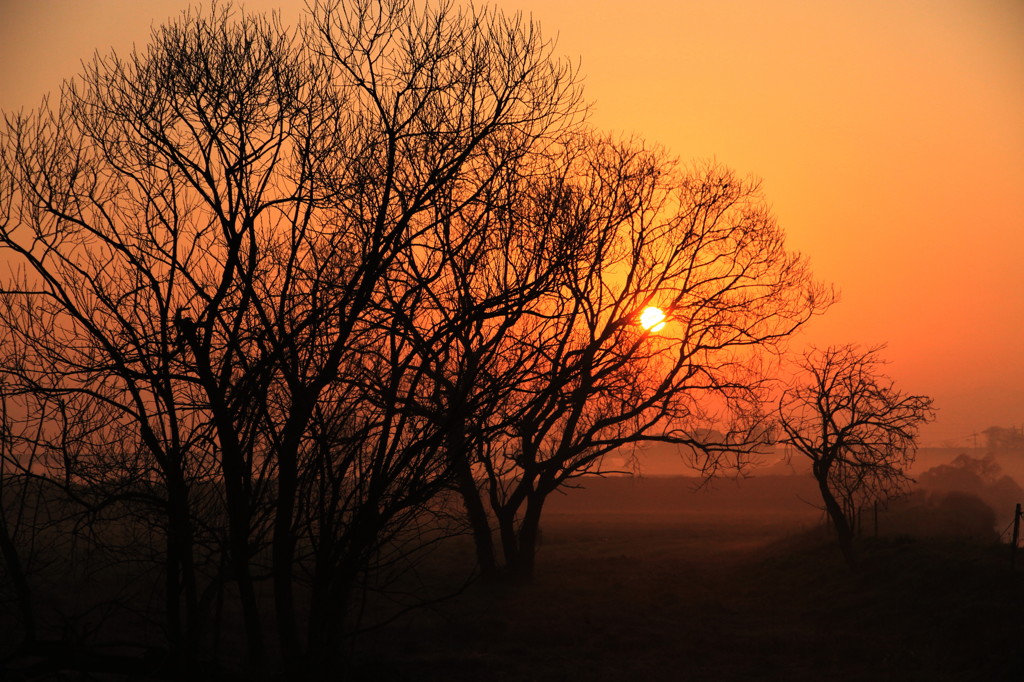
652,319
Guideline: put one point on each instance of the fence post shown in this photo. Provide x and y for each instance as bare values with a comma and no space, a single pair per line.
1016,535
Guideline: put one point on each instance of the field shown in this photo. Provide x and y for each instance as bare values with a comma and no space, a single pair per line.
655,579
697,587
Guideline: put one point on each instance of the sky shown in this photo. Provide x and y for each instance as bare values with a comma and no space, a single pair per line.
889,136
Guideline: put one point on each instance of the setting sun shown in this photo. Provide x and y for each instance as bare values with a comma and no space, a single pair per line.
652,319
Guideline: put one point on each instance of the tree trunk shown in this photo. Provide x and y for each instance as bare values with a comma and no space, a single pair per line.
181,578
844,531
247,597
172,597
334,580
283,554
237,490
509,537
17,573
326,645
529,534
519,544
476,514
239,548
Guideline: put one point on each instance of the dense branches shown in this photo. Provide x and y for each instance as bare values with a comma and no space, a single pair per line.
577,376
208,235
273,291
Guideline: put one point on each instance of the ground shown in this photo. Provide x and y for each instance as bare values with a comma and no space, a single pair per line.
721,593
650,579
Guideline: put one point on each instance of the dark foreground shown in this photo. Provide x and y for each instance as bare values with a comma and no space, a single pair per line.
651,581
722,595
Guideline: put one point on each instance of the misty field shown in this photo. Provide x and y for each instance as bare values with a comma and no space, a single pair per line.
701,586
654,579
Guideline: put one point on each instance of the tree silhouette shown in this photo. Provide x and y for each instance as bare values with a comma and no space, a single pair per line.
858,430
275,293
209,236
551,369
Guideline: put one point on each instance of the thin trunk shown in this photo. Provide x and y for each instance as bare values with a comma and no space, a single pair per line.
844,531
331,594
509,537
181,579
237,489
238,496
529,534
194,617
247,596
480,524
326,652
283,552
283,558
239,549
172,595
315,621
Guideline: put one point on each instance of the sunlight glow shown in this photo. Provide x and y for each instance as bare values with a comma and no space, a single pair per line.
652,319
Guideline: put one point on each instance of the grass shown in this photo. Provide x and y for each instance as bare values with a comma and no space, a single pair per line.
648,580
668,597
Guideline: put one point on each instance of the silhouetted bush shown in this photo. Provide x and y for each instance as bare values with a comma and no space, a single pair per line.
981,477
953,514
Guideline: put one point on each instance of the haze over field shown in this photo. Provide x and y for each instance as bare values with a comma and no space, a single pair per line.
890,137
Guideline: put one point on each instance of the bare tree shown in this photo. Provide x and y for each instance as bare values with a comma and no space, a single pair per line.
210,235
440,102
146,196
858,430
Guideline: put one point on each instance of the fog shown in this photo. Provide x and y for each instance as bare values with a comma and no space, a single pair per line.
670,575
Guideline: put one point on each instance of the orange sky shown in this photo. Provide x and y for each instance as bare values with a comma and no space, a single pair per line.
889,134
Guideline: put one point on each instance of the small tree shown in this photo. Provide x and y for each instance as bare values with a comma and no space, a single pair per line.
859,432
